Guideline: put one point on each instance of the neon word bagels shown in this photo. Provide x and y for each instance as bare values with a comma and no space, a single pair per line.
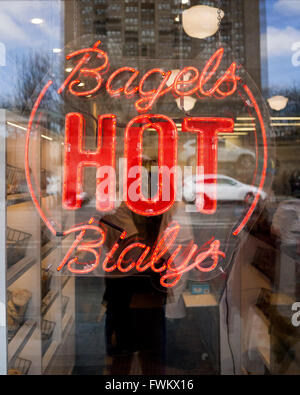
186,82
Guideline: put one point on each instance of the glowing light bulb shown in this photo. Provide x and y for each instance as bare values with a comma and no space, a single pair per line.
36,21
278,103
186,103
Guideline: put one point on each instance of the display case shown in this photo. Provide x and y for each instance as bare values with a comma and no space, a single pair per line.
37,306
270,342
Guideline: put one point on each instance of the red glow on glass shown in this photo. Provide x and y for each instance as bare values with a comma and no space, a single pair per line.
197,81
224,86
27,169
97,77
94,73
175,273
76,158
149,97
207,130
133,263
164,246
177,270
84,247
209,71
179,81
265,163
167,160
125,88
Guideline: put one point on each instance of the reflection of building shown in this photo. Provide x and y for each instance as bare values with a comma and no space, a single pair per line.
151,28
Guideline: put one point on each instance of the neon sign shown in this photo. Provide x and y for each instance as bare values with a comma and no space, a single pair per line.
76,158
147,99
188,81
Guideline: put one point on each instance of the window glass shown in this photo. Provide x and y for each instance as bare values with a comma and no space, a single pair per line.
150,186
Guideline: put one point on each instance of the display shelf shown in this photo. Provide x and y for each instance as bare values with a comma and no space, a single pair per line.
48,328
20,365
267,238
30,347
19,268
281,299
20,339
245,371
263,339
69,324
48,301
65,301
261,336
65,281
261,274
48,248
31,351
263,317
265,354
66,319
57,351
52,245
47,357
50,346
12,200
205,300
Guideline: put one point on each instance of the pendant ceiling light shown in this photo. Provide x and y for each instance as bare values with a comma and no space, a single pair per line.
186,77
201,21
172,77
186,103
278,103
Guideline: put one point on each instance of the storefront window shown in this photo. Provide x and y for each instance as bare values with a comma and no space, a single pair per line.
150,187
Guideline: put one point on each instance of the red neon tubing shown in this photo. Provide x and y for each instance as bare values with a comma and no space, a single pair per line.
117,92
207,130
76,158
82,61
167,159
189,82
27,171
265,163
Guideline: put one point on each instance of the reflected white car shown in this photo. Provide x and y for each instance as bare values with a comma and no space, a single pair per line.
228,189
228,152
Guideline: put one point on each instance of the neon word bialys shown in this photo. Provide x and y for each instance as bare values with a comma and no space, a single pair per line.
191,258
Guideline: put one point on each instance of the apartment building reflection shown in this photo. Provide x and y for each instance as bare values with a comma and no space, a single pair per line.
152,29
